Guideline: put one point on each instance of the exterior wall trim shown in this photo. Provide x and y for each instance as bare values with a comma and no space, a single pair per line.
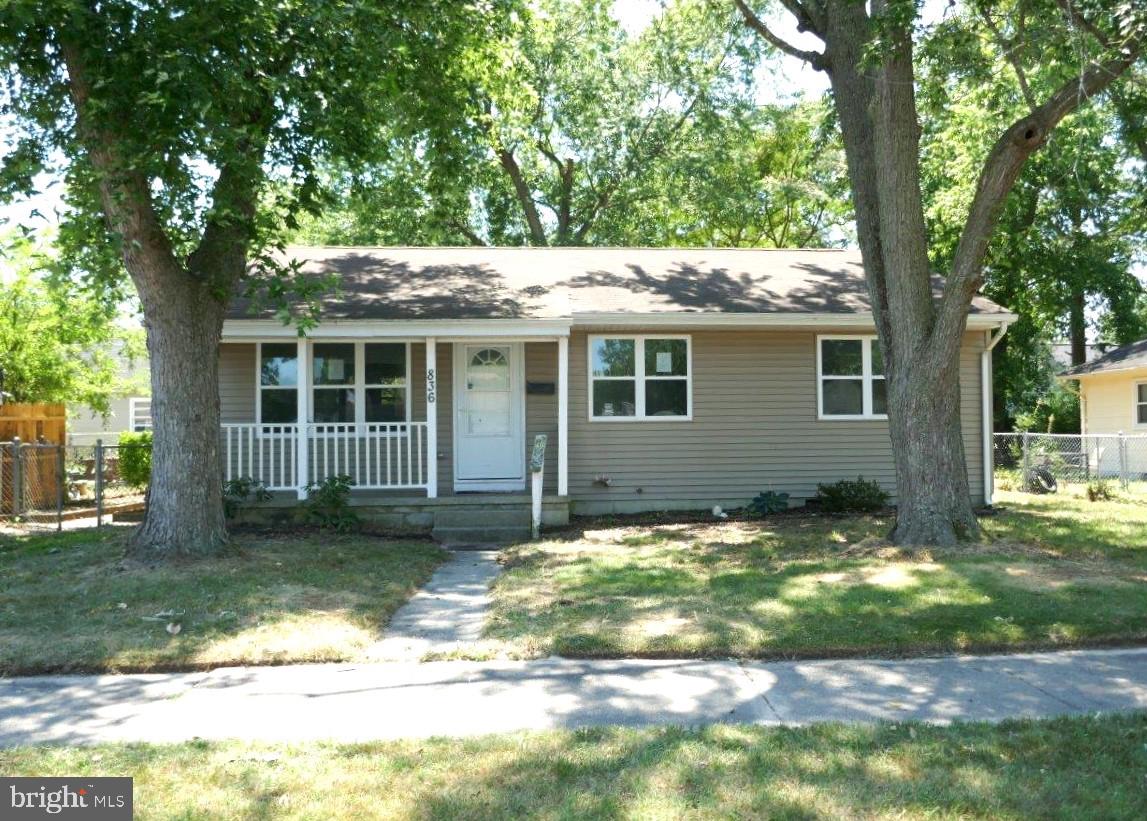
540,330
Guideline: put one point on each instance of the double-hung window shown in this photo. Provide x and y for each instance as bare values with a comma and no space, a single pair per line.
360,382
352,383
1141,404
333,380
640,377
278,383
850,378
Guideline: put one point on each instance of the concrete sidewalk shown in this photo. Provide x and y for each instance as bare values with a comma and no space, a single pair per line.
447,614
378,701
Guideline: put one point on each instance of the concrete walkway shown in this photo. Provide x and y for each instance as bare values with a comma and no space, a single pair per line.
406,699
445,615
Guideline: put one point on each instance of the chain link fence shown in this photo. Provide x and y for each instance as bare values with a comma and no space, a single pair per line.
48,485
1042,462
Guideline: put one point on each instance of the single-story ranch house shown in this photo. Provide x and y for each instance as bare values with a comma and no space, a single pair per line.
1112,401
664,379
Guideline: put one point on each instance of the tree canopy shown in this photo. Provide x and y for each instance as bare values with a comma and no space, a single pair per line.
594,135
1074,226
188,132
58,344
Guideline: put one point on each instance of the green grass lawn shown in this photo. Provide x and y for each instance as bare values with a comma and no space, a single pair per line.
1051,572
70,602
1077,768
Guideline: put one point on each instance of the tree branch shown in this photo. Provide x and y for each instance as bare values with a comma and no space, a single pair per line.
813,58
525,198
1002,169
1076,18
466,231
1008,48
125,194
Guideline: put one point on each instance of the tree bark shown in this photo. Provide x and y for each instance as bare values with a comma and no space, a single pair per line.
933,495
525,197
184,499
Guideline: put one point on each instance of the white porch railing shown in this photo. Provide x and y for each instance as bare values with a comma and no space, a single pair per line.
374,455
266,453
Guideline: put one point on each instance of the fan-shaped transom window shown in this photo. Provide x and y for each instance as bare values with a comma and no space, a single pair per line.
489,370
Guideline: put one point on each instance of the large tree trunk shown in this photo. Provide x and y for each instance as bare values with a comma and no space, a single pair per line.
933,497
878,120
184,500
920,332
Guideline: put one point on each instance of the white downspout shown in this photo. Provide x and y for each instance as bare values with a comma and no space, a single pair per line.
563,415
986,409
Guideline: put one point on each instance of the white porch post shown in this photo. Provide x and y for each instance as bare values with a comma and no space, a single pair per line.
431,418
563,414
302,447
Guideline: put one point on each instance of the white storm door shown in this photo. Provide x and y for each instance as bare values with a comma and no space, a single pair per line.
488,420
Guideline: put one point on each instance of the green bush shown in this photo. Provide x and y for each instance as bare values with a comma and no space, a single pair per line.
238,493
135,458
768,503
851,496
328,504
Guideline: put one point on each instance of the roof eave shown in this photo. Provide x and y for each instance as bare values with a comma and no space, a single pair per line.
254,329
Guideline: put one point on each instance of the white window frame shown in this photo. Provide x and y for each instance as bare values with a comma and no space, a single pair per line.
359,386
1136,404
866,376
639,378
263,428
133,404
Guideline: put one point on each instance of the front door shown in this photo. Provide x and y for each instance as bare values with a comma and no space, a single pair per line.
489,442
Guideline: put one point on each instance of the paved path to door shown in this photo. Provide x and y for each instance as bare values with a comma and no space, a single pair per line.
406,699
445,615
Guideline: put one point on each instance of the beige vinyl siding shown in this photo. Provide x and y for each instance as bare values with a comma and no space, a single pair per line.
237,384
1109,402
754,423
542,409
754,428
1109,408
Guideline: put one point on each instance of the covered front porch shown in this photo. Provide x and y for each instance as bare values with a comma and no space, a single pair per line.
405,415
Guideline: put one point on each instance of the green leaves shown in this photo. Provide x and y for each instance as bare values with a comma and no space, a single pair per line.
56,344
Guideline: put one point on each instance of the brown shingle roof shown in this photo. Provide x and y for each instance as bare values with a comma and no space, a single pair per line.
520,283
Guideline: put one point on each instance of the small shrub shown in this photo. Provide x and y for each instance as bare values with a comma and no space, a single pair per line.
238,493
768,503
328,504
135,458
851,496
1100,491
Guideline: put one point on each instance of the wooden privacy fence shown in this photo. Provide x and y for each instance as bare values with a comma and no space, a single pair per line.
33,422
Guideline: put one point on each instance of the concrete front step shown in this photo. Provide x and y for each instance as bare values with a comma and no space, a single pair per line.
481,535
479,517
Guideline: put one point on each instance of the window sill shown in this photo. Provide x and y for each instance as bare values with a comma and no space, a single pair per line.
854,418
630,419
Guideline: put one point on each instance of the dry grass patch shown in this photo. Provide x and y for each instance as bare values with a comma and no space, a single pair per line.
827,586
71,602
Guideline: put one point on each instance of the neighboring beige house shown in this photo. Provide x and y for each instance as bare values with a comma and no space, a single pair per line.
1113,400
130,410
664,378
